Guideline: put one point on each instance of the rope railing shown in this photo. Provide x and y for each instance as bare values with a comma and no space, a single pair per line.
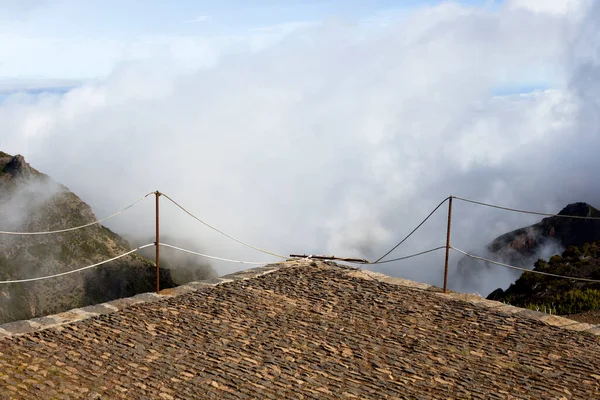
78,269
524,211
380,260
407,257
220,231
77,227
410,234
523,269
214,257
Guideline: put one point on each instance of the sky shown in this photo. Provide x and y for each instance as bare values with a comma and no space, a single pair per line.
60,39
315,126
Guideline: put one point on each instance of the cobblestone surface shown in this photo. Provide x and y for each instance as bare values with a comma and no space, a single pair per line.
307,332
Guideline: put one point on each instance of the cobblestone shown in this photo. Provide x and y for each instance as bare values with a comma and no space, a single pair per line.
303,331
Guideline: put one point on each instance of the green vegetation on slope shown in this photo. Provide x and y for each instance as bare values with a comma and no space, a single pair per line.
563,296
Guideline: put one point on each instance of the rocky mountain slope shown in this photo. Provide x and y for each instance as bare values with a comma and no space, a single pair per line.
524,246
566,232
31,201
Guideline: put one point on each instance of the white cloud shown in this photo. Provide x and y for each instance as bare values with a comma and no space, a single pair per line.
200,18
79,58
556,7
84,58
328,140
19,8
9,85
287,27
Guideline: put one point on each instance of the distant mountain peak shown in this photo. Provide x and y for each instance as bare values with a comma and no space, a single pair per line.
524,246
31,201
580,209
16,166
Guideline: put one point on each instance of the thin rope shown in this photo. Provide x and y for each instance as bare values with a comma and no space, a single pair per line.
523,269
411,256
77,270
221,232
77,227
213,257
410,234
524,211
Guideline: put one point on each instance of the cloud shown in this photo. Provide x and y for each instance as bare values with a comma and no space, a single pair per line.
333,141
200,18
12,85
557,7
287,27
86,58
19,8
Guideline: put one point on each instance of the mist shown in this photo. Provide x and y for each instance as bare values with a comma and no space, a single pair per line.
21,206
21,201
183,267
338,139
480,277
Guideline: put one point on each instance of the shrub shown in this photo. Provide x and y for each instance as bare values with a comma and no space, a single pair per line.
572,302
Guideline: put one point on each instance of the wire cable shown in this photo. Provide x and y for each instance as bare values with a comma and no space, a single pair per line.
524,269
221,232
213,257
78,227
410,234
524,211
76,270
411,256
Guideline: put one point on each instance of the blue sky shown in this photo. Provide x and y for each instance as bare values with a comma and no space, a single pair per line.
71,39
129,17
36,92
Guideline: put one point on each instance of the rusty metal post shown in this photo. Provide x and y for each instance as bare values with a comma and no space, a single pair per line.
157,243
447,245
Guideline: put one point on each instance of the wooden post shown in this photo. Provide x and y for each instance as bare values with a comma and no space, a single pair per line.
447,245
157,243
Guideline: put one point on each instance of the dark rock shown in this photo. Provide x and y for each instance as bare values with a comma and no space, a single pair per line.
496,294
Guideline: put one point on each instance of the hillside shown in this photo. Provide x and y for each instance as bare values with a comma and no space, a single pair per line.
31,201
561,296
564,231
524,246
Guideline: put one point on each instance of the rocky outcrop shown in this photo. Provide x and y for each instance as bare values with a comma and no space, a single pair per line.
31,201
524,246
563,231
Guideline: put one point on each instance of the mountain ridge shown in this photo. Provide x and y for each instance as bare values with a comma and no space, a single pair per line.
524,246
567,231
31,201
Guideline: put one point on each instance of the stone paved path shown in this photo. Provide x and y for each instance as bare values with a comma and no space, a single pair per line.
303,332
